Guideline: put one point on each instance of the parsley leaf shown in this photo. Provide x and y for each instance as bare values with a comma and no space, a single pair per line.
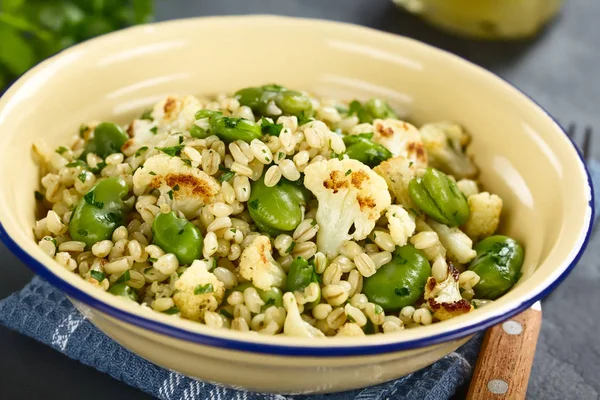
348,172
124,277
201,289
187,162
291,247
176,187
225,313
153,130
147,115
82,176
152,173
304,118
38,195
90,198
171,311
270,128
170,193
172,151
61,150
82,232
227,175
97,275
402,291
141,151
82,129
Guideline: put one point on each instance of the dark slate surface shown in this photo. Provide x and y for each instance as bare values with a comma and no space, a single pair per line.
559,69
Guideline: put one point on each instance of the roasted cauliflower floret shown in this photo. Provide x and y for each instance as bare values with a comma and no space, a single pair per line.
198,291
400,223
468,187
484,215
398,172
444,297
294,325
350,329
349,193
458,245
446,143
184,188
257,265
400,138
175,113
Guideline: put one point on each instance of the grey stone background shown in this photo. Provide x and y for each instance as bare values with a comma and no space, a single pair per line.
559,69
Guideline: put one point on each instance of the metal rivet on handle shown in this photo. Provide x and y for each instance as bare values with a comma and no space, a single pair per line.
512,327
497,386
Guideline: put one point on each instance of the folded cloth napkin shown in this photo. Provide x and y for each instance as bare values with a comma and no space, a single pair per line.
44,313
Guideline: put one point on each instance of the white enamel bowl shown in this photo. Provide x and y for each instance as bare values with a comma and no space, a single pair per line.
524,156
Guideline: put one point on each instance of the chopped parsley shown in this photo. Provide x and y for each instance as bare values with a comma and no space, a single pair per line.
172,151
378,309
291,248
61,149
98,168
410,164
304,118
38,195
270,128
201,289
253,204
181,231
153,130
350,318
141,151
171,311
402,291
227,175
51,239
124,277
180,139
336,155
152,260
147,115
82,176
90,198
152,173
225,313
187,162
176,187
313,223
281,155
146,270
348,172
82,232
112,217
82,129
170,193
97,275
77,163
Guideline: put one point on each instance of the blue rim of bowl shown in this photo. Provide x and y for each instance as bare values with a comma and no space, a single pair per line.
309,351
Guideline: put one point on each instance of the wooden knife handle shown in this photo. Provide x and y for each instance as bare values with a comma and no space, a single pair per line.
506,357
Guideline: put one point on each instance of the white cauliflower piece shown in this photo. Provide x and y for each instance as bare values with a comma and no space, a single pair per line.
198,291
398,172
400,138
446,143
257,265
175,113
400,223
184,188
458,245
484,215
444,297
350,329
468,187
142,133
349,193
294,325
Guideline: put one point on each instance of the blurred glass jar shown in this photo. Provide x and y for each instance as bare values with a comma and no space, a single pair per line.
486,19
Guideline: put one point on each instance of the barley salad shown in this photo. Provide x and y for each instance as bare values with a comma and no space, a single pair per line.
277,212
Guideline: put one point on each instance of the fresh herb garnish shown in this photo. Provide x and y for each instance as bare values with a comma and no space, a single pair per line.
402,291
82,232
378,309
180,231
97,275
38,195
171,311
227,175
348,172
147,115
141,151
270,128
253,204
291,247
152,259
126,276
172,151
225,313
170,193
350,318
153,130
281,155
82,129
187,162
82,176
201,289
90,198
176,187
152,173
61,150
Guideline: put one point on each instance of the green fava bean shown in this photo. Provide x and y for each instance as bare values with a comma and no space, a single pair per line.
271,297
121,289
231,129
108,139
362,148
300,275
439,197
276,209
293,103
400,282
371,110
178,236
99,212
498,264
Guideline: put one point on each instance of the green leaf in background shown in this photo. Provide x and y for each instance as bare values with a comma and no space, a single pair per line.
35,29
16,54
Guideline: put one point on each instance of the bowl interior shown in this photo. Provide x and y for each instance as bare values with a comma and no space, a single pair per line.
524,156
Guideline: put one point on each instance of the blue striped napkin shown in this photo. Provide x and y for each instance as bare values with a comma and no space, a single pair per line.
44,313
